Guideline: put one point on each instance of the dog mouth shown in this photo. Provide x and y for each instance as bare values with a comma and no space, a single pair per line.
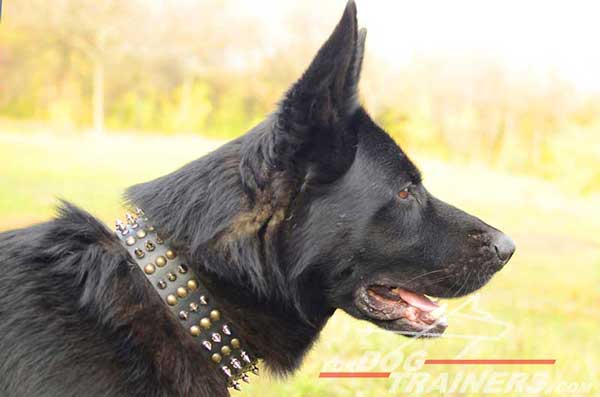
401,310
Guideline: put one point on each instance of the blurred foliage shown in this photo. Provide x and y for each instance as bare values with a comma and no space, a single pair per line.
208,67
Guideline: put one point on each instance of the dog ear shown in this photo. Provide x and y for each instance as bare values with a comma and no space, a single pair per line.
354,77
311,125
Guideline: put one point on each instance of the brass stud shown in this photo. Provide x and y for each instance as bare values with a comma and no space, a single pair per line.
183,269
170,254
162,284
161,261
172,276
195,330
216,358
150,228
182,292
149,268
171,300
140,233
149,245
215,315
139,253
205,323
183,315
235,343
194,307
192,284
130,241
226,350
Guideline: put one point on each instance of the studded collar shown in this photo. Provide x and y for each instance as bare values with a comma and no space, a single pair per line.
186,298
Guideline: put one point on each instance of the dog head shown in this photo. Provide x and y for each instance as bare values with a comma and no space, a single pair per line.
317,208
363,230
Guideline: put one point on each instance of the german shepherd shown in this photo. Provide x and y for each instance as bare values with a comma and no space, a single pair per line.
315,209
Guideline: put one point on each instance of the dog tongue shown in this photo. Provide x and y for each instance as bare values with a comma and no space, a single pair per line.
419,301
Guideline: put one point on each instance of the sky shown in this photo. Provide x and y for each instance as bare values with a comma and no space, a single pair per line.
534,37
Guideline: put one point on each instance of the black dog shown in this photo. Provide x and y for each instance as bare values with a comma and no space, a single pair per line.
314,209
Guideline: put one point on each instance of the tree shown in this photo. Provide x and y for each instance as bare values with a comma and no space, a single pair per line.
96,31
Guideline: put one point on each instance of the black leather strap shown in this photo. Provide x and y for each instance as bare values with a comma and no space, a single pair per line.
186,298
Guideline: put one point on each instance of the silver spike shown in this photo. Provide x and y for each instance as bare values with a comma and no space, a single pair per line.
207,345
131,220
255,370
236,363
203,300
226,330
245,378
141,214
236,386
216,337
120,226
245,357
227,371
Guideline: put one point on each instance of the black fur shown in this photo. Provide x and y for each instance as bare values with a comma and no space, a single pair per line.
284,224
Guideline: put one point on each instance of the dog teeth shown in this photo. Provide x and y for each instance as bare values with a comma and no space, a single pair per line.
439,312
443,320
432,298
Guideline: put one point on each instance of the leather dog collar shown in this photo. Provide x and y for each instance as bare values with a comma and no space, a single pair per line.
186,298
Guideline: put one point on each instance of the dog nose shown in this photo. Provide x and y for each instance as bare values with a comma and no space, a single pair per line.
504,246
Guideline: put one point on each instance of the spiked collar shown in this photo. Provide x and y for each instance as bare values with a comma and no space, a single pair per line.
186,298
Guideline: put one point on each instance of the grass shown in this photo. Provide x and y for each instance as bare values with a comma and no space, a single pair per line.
543,305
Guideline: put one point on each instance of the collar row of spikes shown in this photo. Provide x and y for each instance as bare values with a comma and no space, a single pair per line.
186,298
132,219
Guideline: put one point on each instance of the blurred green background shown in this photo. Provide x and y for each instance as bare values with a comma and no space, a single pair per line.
86,85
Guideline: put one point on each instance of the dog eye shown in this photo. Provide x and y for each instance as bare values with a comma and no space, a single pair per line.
404,193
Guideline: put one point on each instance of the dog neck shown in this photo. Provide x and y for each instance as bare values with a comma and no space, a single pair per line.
231,329
233,236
